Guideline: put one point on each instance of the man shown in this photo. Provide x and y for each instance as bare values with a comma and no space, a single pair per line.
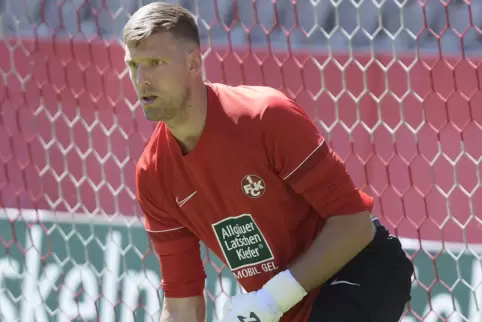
245,171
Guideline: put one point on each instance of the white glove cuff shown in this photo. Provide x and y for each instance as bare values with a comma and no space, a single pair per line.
285,290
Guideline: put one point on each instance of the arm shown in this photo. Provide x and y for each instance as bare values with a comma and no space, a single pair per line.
183,284
332,249
179,253
187,309
306,163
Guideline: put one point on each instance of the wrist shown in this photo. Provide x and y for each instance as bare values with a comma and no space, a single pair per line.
284,290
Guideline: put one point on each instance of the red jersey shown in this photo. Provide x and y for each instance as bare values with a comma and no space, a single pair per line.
256,189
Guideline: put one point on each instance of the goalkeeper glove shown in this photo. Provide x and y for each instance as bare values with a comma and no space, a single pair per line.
275,298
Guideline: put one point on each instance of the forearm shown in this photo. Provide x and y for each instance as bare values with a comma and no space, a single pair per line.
191,309
341,240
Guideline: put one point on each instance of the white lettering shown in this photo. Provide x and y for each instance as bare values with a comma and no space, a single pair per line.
134,283
247,253
79,291
247,272
475,306
9,268
35,290
258,186
443,304
268,267
226,234
236,230
247,189
70,309
31,301
254,188
252,271
242,241
111,272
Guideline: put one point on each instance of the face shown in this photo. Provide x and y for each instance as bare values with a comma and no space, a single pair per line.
160,70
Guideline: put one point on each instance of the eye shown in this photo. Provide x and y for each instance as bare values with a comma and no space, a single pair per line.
155,62
132,64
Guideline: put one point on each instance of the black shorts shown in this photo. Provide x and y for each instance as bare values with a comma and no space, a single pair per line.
374,287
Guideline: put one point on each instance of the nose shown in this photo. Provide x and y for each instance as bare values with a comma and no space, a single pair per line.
143,77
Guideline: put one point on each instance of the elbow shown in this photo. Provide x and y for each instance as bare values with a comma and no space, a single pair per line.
364,228
360,227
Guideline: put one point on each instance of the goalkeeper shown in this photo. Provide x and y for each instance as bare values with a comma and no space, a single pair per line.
244,170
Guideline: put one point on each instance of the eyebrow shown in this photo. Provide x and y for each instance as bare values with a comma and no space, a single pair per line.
144,58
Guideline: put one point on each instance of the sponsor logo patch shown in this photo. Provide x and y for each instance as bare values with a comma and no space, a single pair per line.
242,242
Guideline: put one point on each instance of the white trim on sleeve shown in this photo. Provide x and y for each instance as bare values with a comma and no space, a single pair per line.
164,231
302,162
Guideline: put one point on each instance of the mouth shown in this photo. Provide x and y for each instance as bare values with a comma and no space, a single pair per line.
146,100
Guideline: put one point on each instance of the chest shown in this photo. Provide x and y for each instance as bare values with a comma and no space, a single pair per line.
223,181
234,201
229,182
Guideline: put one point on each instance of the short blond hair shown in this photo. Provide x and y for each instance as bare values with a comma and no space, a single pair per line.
161,17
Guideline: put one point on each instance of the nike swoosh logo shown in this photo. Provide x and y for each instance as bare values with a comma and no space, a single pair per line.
335,282
181,203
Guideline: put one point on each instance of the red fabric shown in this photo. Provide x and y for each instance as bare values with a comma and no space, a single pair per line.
175,245
254,194
307,164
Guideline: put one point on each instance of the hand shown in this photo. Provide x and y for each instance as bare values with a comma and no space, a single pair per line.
251,307
274,299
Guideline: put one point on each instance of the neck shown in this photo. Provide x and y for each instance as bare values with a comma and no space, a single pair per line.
188,127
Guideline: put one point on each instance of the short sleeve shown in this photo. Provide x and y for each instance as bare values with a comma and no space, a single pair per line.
303,159
179,252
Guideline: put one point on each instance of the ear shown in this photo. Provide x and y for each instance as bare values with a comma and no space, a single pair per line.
194,62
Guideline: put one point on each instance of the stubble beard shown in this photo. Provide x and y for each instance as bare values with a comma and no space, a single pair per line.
179,109
173,111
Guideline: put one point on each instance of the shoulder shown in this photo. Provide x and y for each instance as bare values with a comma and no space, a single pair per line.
271,107
263,109
255,101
